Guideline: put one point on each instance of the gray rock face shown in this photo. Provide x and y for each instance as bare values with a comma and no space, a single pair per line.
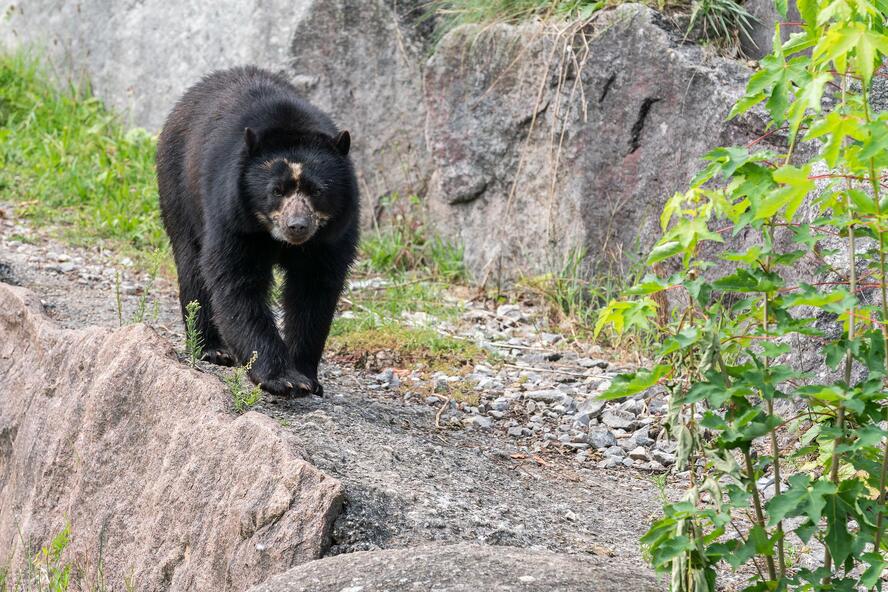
140,56
543,142
459,568
766,16
107,431
360,60
351,57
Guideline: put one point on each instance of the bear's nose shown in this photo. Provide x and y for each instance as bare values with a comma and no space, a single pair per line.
298,224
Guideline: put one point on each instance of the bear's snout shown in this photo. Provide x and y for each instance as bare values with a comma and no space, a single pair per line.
295,222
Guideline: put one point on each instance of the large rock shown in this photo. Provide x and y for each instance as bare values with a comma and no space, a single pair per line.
106,430
460,568
361,60
355,58
545,141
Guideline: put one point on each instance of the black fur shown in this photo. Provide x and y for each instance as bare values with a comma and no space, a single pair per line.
240,157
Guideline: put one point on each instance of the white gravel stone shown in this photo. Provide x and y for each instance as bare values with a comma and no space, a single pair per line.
639,453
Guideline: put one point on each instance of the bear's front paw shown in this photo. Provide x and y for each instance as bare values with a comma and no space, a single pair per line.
217,356
291,384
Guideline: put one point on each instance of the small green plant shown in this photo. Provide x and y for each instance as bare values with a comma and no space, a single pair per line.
243,397
193,338
142,304
45,571
735,399
55,575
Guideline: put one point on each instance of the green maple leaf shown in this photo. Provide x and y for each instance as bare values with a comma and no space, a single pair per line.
843,39
809,98
801,497
836,127
796,185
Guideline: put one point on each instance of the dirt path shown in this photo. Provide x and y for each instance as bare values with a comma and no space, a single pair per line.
407,480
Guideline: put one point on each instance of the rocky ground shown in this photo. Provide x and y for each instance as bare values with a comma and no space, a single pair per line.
537,462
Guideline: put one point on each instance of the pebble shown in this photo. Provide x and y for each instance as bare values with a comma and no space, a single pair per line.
642,437
592,363
500,404
510,311
610,463
618,419
592,407
601,438
664,458
639,453
548,396
615,451
480,422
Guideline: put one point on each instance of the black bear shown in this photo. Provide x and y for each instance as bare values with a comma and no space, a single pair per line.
251,176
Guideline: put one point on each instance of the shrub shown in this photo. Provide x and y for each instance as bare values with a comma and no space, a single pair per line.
735,399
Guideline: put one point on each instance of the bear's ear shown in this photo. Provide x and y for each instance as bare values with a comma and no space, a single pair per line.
251,140
342,142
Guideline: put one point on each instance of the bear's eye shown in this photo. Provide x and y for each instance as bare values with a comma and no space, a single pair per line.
277,192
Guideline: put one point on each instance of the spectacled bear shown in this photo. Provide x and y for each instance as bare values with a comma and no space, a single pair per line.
251,176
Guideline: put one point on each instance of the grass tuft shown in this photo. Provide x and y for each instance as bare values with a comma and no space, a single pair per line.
47,570
720,22
363,342
407,244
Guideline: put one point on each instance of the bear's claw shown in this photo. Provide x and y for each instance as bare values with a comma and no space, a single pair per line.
298,387
219,357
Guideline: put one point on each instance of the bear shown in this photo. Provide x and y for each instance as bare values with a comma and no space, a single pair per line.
252,176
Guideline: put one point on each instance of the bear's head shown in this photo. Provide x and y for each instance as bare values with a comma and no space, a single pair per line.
297,186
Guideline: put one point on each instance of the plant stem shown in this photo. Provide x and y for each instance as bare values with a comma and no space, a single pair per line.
775,454
883,484
880,520
775,449
834,477
759,514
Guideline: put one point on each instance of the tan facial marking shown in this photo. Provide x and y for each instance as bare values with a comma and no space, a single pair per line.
267,165
296,169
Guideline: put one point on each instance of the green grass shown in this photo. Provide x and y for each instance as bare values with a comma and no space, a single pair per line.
721,22
361,339
575,295
457,12
407,244
376,323
193,338
67,161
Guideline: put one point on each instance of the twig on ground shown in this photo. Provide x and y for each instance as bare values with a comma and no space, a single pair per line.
556,370
440,411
